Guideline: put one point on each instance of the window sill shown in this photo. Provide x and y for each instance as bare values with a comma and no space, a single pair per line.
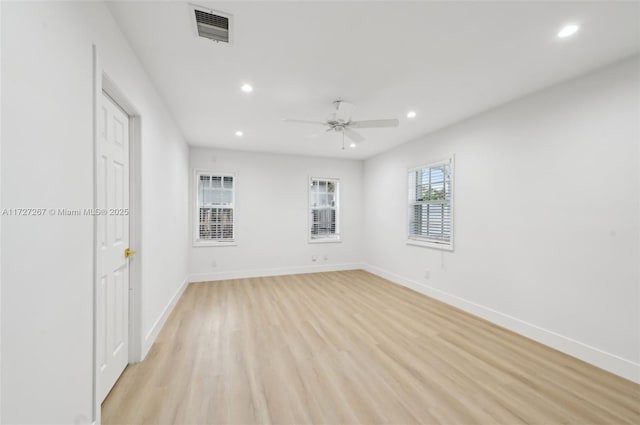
325,240
434,245
214,243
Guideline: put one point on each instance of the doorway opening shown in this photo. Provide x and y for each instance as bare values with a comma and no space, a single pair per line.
117,235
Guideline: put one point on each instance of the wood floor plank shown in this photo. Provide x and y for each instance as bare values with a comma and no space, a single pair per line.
350,347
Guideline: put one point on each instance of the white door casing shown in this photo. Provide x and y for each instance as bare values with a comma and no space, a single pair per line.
112,239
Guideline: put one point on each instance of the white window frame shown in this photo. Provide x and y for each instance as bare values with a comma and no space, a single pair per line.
426,242
197,242
337,237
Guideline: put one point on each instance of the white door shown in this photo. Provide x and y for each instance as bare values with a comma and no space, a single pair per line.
112,240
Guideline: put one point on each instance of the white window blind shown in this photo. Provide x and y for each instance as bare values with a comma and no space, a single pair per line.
324,210
215,205
430,203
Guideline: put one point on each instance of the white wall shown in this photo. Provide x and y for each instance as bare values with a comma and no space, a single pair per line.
272,216
47,147
1,206
546,217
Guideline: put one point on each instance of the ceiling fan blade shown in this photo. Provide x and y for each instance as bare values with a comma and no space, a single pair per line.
374,123
318,135
353,135
305,121
344,110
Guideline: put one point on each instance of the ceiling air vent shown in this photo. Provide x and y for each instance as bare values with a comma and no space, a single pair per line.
212,24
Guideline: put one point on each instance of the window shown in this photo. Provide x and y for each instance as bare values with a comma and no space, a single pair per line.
431,205
215,212
324,210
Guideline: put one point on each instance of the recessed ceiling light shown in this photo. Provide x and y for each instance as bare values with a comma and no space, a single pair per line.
247,88
411,114
568,30
239,133
352,145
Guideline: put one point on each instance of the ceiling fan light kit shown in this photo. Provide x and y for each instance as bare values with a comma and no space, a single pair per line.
339,121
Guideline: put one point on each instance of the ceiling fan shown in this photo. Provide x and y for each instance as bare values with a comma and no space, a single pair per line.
340,122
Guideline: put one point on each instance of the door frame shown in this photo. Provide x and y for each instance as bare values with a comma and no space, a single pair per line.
103,82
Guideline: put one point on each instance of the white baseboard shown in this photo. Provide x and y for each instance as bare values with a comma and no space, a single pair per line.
607,361
151,336
244,274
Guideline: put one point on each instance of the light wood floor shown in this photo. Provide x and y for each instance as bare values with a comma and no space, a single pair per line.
349,347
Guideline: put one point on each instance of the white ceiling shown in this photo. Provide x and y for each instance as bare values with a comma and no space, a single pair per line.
445,60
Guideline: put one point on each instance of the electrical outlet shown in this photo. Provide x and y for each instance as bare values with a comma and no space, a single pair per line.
427,274
314,258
